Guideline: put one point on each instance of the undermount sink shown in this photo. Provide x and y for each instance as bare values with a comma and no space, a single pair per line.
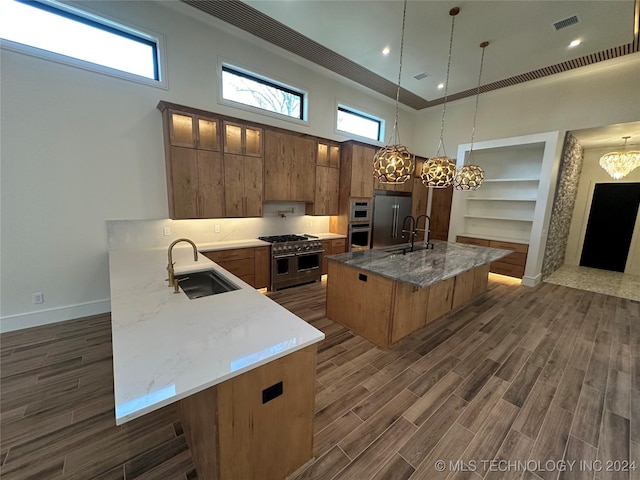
203,284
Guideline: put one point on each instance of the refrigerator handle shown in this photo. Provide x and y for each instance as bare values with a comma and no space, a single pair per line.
395,221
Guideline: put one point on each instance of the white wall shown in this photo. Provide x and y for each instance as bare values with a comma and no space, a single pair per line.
79,148
591,174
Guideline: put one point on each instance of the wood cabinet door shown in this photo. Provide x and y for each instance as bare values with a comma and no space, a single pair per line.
253,186
303,161
262,267
419,199
252,141
334,156
233,185
210,184
183,185
277,167
326,246
333,191
233,138
441,212
362,171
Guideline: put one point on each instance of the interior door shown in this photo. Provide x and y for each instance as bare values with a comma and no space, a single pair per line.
613,214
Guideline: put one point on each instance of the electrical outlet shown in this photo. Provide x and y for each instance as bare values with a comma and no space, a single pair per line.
310,223
167,231
216,228
37,298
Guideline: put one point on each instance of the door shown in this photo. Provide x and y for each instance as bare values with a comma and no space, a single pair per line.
614,210
440,212
385,221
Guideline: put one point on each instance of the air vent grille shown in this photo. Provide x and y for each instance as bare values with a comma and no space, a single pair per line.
567,22
421,75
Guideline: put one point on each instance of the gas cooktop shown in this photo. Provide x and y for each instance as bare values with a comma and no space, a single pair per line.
283,238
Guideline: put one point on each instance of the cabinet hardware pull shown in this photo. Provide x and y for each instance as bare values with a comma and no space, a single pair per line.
269,393
362,277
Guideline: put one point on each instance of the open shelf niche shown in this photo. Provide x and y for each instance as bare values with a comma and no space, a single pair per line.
511,205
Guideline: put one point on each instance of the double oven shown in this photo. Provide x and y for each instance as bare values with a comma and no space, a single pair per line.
359,230
295,259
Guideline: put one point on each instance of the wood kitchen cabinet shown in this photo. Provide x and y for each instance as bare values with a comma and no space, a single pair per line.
242,139
193,131
512,265
327,184
419,200
289,166
243,186
331,247
251,264
356,170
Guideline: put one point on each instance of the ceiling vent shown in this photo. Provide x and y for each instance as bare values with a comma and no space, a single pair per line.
421,76
567,22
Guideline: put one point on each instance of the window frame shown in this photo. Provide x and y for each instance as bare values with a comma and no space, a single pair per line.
103,22
359,113
233,68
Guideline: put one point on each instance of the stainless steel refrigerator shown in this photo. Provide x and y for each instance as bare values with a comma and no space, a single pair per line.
389,212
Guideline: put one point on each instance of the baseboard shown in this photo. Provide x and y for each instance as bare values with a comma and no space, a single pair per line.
531,281
11,323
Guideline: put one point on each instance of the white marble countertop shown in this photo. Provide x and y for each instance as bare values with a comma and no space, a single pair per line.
254,242
167,347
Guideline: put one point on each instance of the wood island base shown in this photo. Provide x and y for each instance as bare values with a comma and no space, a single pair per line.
256,426
384,311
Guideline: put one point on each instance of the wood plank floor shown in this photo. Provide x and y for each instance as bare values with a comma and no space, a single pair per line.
532,375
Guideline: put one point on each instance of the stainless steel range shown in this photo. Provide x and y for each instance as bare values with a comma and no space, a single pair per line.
295,259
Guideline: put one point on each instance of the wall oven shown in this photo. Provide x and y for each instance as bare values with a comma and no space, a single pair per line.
360,211
359,237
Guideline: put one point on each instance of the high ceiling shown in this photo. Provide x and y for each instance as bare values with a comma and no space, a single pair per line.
347,36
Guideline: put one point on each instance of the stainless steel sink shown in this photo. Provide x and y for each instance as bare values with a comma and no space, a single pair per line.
203,284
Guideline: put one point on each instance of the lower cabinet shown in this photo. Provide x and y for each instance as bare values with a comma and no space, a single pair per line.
252,264
512,265
331,247
256,426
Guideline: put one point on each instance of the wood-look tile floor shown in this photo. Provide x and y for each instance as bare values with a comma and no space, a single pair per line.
530,375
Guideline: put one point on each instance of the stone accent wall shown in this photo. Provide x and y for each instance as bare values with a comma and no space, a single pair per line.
563,203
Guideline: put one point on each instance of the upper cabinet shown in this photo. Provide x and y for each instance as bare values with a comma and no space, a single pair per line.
194,131
289,167
242,186
242,139
356,170
327,175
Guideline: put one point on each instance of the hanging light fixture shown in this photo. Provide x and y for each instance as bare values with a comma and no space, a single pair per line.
470,177
620,164
439,171
394,163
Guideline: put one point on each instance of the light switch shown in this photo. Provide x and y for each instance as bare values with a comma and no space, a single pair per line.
167,231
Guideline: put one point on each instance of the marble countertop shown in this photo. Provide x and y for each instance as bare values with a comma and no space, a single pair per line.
421,267
254,242
167,347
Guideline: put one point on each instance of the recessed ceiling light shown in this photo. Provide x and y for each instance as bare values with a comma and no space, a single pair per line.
440,86
386,50
575,43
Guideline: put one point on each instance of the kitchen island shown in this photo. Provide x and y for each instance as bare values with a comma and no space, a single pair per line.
384,295
241,367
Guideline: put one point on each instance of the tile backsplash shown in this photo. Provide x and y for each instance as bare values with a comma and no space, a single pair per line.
123,234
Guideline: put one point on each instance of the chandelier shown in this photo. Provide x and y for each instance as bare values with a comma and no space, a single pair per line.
470,177
620,164
440,171
394,163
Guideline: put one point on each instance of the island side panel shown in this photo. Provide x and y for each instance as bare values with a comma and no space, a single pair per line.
480,280
268,441
440,299
232,434
361,301
463,289
198,414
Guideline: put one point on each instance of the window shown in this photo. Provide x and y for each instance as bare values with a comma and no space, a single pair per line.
74,34
254,91
361,124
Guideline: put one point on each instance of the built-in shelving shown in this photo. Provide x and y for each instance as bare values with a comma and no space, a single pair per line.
496,199
490,180
486,217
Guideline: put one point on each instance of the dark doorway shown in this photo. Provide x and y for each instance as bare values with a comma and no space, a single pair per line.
611,221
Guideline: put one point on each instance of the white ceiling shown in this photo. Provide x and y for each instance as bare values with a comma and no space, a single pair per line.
521,35
609,136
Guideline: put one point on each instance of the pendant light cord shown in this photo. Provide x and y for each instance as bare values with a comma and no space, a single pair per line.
395,138
475,114
446,85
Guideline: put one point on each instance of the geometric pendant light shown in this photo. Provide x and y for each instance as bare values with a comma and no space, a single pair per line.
439,171
620,164
394,163
470,177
